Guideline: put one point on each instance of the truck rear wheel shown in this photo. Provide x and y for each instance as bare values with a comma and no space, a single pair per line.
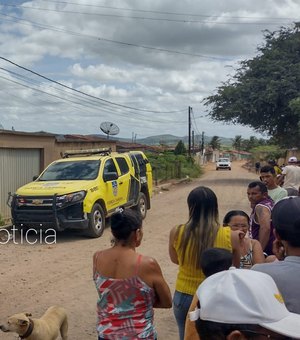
96,221
142,205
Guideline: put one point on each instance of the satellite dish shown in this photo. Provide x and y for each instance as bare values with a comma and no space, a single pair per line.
109,128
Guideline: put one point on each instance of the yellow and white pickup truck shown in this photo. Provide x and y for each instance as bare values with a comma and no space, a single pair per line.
82,189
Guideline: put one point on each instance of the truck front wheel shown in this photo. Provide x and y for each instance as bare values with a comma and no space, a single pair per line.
96,221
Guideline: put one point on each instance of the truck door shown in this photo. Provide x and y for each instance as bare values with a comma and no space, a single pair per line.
111,188
135,184
124,180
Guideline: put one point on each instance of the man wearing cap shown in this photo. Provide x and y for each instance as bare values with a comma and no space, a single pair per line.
239,304
286,272
291,177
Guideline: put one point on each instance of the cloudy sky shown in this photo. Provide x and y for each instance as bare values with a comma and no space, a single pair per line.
68,66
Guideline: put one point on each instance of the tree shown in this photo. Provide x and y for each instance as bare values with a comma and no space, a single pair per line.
265,91
250,143
268,152
215,143
180,149
295,107
237,142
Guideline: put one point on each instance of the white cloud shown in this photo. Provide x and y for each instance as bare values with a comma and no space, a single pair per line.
91,48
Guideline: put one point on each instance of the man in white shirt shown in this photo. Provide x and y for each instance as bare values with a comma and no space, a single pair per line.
268,176
285,272
291,177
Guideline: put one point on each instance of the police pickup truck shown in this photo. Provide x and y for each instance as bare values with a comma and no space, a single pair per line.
82,189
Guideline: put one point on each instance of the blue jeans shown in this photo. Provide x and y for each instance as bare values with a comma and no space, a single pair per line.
181,305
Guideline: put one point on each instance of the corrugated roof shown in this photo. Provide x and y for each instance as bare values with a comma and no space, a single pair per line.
23,133
81,138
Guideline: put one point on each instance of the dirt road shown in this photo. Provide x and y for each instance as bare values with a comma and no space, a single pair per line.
34,277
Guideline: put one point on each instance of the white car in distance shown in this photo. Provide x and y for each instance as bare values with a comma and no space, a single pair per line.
223,163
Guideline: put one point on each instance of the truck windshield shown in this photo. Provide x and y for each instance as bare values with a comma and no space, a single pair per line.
73,170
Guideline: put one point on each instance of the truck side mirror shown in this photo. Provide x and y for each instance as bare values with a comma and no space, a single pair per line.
35,177
110,176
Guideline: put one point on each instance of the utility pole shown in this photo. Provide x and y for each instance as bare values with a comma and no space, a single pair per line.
202,143
189,128
193,142
133,138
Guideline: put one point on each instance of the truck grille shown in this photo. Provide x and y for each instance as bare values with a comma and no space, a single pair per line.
34,202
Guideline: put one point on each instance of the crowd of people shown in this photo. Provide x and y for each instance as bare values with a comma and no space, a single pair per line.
236,280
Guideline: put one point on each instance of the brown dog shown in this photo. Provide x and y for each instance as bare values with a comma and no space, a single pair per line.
55,320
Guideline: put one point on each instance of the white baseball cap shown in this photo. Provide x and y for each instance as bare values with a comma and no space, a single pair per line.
243,296
293,160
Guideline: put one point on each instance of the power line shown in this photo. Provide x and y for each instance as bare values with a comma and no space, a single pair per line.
83,93
52,28
164,12
195,125
185,21
79,103
82,102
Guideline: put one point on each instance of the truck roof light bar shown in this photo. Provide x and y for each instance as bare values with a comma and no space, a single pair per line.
103,151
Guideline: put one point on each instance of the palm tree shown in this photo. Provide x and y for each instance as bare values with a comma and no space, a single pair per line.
215,143
237,142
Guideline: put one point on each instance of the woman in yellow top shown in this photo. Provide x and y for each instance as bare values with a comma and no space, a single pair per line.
187,243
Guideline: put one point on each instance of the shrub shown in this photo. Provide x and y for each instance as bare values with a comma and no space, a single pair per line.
167,166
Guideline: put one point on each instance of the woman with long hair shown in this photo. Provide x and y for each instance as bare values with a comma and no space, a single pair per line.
188,241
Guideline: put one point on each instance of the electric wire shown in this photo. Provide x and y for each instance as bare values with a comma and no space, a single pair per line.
195,124
156,49
83,93
189,21
162,12
149,119
84,103
107,104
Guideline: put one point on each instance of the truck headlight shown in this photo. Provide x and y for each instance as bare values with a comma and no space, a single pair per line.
70,198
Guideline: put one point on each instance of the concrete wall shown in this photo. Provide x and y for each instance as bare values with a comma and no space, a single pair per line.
23,155
22,140
49,146
17,167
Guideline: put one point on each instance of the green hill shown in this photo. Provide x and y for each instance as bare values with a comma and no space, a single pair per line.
168,139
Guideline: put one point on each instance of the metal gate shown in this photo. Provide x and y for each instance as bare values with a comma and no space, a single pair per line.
17,167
